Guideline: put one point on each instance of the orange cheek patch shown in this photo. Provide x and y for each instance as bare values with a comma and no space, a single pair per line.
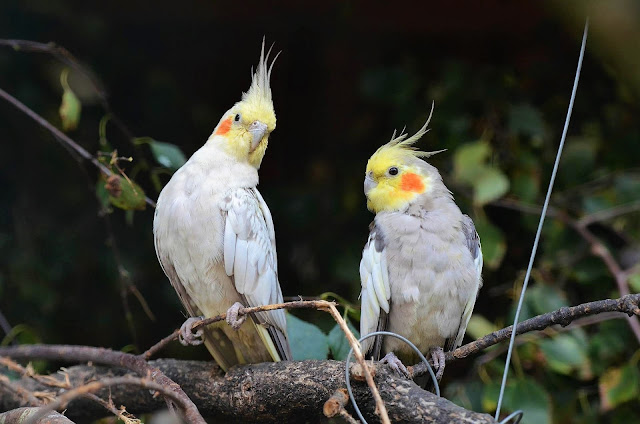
224,127
412,182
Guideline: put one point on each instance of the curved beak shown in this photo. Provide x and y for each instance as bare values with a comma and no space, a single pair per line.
258,130
369,183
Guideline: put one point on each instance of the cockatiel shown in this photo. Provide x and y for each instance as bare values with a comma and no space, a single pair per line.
215,239
421,267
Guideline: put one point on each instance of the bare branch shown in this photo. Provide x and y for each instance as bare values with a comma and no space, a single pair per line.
563,316
61,137
107,357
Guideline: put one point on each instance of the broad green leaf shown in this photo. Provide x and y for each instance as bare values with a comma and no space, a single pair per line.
307,341
124,194
479,326
564,353
544,298
490,184
338,343
522,393
493,243
167,154
469,159
619,385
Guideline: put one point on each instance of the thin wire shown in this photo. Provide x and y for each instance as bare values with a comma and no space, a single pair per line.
517,415
397,336
542,216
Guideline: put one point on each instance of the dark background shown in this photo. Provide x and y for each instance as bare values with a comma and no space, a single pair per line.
348,75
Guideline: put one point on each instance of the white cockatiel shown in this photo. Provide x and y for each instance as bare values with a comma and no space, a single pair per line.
421,267
215,239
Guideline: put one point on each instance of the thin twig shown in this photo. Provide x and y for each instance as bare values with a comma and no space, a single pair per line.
61,137
20,392
64,56
597,248
121,414
65,398
564,316
335,406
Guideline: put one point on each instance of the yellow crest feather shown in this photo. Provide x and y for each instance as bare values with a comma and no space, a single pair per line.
403,144
259,93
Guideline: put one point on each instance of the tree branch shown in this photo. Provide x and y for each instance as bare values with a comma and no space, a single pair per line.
563,316
20,415
107,357
61,137
270,392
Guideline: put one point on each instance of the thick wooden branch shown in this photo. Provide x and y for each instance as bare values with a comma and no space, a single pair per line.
269,392
19,415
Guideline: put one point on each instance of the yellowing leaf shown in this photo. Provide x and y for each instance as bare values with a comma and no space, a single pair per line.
70,107
490,184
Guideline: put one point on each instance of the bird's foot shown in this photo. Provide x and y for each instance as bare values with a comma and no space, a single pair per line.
187,336
437,356
396,364
233,318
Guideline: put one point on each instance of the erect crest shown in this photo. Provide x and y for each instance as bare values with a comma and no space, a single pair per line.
260,92
403,144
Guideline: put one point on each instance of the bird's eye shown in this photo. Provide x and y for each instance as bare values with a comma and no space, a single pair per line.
393,171
237,117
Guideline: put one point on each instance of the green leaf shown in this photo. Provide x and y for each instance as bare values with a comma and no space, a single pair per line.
124,194
167,154
527,120
70,109
307,341
619,385
564,353
634,282
493,243
544,298
469,159
479,326
490,184
523,393
338,343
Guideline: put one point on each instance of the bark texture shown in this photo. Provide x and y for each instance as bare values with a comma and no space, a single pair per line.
270,392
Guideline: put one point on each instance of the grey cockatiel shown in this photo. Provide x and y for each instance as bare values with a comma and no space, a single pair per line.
421,267
214,234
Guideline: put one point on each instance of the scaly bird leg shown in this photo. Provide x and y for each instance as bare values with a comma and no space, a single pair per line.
233,319
187,336
437,355
396,364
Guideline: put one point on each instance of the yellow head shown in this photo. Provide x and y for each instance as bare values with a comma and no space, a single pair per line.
244,130
396,175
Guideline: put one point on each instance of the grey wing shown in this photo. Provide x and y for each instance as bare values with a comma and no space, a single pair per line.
474,246
250,259
375,296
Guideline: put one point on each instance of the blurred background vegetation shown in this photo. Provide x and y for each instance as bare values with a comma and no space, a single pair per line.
75,269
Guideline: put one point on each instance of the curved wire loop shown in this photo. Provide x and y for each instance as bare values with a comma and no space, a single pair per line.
516,416
397,336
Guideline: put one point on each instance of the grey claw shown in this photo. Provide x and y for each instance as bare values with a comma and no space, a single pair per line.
187,336
233,318
396,364
437,355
